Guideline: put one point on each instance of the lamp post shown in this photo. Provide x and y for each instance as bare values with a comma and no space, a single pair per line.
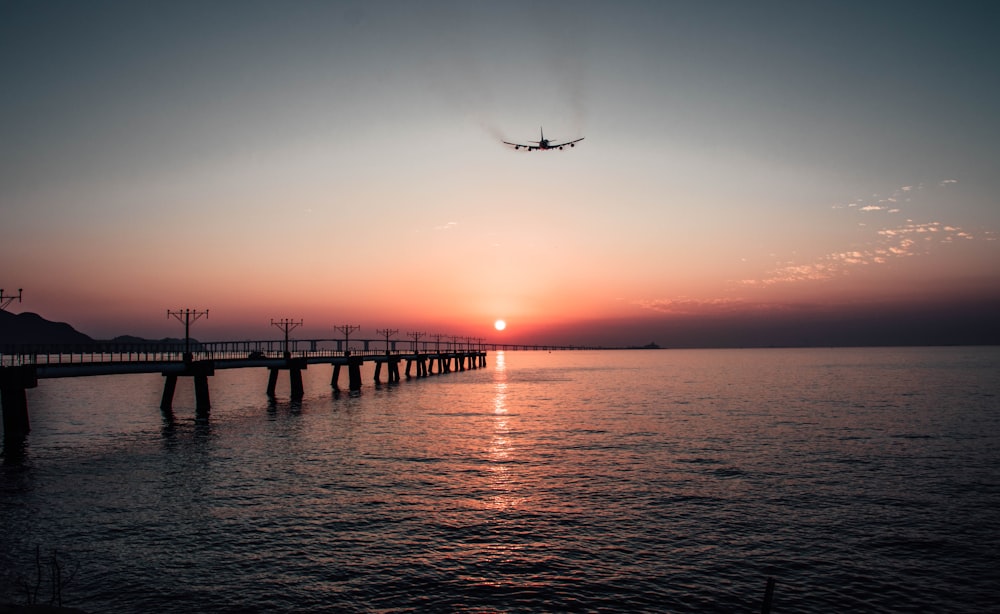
287,325
7,299
347,329
187,317
416,340
387,332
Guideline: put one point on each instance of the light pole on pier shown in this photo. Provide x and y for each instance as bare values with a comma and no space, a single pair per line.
187,317
416,340
347,329
287,325
7,299
454,343
387,332
437,342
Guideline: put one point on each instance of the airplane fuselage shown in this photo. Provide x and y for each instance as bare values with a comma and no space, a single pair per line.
544,143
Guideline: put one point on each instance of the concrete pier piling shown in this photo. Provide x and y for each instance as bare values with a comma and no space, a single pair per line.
202,403
169,386
420,360
297,390
335,380
200,370
14,383
392,369
354,373
272,381
294,366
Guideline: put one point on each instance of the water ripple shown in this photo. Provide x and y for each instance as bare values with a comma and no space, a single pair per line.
662,481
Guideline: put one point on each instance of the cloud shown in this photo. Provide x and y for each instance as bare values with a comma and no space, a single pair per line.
910,239
889,203
898,241
931,230
792,273
448,226
689,306
721,307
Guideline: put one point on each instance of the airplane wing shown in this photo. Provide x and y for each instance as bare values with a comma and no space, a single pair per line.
520,145
570,143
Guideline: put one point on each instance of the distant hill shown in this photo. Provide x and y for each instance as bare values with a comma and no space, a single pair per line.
31,328
132,340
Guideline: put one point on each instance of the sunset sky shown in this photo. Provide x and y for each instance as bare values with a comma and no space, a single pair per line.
753,172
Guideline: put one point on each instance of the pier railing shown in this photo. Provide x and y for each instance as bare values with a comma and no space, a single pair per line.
109,352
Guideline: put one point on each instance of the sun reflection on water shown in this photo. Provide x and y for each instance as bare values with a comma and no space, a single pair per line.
502,479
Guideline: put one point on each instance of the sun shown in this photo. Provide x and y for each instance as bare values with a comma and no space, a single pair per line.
499,325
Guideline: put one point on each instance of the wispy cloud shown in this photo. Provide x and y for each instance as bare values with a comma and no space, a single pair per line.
882,238
890,203
689,306
448,226
904,241
890,242
719,307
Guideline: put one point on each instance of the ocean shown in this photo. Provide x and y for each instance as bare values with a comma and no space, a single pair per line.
861,480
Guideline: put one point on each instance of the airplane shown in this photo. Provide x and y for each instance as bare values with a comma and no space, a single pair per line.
544,143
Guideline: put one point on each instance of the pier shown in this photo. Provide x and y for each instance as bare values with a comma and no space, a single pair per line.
21,366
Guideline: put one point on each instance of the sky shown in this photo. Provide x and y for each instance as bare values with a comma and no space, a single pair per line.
765,173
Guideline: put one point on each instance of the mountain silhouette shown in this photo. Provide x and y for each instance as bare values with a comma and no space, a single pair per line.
31,328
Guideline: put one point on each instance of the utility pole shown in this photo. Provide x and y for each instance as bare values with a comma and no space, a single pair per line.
418,358
437,342
347,329
416,339
286,325
186,317
444,362
387,332
392,362
7,299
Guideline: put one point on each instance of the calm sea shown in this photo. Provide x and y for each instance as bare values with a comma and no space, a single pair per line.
667,481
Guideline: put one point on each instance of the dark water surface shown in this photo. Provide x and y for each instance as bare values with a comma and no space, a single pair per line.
861,479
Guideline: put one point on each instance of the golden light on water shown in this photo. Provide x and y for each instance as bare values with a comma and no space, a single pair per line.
504,480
